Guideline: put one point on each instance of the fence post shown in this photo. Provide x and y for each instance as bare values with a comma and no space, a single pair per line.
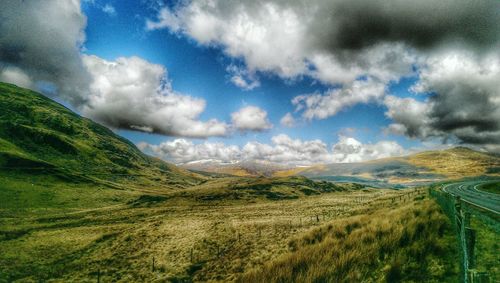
470,239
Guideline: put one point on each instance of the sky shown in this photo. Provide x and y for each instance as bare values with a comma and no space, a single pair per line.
295,82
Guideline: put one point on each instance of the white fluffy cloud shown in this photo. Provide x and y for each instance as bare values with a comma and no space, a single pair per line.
288,120
334,41
350,150
286,38
242,78
340,41
321,106
282,150
41,42
182,151
132,93
251,118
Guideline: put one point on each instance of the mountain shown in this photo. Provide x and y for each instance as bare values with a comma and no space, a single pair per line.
423,167
41,137
245,168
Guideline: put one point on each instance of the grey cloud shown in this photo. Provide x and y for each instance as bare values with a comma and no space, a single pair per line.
356,24
465,103
43,39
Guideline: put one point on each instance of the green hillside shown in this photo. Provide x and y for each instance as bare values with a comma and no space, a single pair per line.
38,135
51,157
427,166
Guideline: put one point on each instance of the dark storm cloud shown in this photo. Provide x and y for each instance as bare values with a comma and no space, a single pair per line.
42,39
355,24
465,104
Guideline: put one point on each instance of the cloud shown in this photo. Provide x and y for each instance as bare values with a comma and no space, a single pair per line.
251,118
109,9
15,76
283,150
182,151
341,41
465,100
42,40
288,120
41,43
131,93
321,106
350,150
242,78
334,41
410,117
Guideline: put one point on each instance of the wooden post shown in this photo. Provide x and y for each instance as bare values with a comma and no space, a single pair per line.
153,267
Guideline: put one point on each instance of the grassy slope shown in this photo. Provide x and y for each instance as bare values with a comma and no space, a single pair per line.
413,243
40,136
429,165
456,162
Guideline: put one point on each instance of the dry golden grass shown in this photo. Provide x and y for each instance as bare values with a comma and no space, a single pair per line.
190,239
411,243
455,163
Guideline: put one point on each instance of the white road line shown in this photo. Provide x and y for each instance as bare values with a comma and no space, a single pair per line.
483,192
444,188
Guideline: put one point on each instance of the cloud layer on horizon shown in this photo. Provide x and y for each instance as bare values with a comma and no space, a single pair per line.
282,150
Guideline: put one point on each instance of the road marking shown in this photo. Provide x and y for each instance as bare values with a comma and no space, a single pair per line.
483,192
444,188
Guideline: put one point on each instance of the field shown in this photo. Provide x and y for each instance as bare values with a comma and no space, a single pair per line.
219,231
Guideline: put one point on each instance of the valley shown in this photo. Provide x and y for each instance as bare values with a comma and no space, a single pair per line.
80,203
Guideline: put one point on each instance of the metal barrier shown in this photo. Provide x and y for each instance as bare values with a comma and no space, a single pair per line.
460,215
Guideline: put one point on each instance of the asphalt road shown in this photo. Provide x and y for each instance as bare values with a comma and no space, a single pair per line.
469,192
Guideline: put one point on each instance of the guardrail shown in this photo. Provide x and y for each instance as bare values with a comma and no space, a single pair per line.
459,212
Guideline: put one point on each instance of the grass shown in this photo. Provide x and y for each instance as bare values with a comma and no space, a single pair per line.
457,162
409,244
67,232
41,137
78,201
486,245
493,187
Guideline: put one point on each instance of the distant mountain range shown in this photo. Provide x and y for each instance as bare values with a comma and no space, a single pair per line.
245,168
417,168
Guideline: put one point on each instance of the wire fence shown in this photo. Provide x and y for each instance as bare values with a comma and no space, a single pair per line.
477,233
